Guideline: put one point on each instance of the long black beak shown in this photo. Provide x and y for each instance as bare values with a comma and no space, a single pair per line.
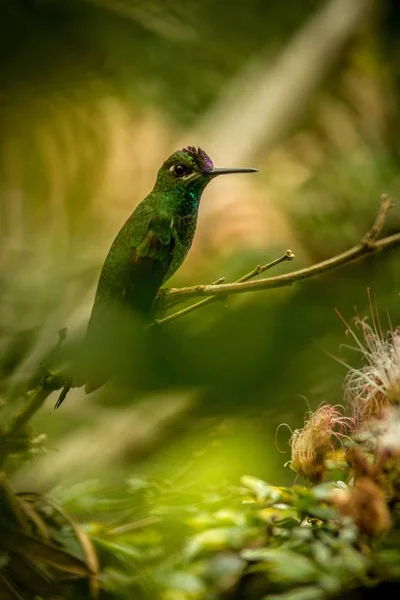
228,171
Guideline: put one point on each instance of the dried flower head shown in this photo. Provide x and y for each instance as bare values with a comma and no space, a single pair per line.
365,504
311,444
377,456
385,433
373,388
358,462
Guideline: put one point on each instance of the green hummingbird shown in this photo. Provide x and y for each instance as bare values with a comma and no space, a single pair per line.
150,247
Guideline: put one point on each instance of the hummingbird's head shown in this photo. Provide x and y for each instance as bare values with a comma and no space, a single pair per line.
190,170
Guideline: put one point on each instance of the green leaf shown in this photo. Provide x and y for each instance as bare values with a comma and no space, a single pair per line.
267,493
123,550
36,550
184,581
303,593
324,513
279,516
218,539
354,562
321,553
284,567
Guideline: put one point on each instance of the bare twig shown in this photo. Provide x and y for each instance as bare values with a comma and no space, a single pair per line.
135,525
261,268
220,280
386,205
35,402
32,406
368,245
256,271
48,383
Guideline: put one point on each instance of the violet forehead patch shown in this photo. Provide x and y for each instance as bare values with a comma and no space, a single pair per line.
200,157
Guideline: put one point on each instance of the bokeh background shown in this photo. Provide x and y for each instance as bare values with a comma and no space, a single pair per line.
94,95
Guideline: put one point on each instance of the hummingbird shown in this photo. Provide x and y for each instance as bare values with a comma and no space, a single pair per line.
150,247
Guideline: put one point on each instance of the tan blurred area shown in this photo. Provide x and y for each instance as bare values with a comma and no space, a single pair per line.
248,124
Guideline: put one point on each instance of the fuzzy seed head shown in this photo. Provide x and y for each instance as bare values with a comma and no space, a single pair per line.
376,386
311,444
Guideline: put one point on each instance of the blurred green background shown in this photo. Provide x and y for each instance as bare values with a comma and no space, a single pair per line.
94,95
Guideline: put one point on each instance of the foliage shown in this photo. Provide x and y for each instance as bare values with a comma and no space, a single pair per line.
167,539
256,541
159,539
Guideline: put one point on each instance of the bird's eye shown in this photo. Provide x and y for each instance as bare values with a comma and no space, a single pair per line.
179,170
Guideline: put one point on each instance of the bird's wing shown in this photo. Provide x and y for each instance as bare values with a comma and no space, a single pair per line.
111,326
151,257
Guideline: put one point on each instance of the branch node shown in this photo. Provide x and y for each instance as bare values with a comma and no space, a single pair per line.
370,238
223,297
289,255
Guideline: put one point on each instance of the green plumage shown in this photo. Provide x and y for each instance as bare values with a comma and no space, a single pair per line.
147,251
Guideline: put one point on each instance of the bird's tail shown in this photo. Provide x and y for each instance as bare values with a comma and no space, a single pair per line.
63,394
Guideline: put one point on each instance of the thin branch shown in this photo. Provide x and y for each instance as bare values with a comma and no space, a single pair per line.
35,402
49,383
261,268
386,205
368,245
256,271
32,406
135,525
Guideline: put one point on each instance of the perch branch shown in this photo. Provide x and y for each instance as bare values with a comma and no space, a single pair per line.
368,245
256,271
